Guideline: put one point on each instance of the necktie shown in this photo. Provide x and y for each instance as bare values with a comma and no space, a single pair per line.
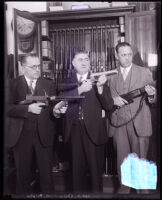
124,73
80,105
80,80
31,86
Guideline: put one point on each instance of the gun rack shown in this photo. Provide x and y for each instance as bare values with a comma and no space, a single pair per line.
96,31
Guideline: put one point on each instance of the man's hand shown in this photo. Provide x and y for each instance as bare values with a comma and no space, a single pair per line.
35,108
85,87
150,90
119,101
101,80
60,108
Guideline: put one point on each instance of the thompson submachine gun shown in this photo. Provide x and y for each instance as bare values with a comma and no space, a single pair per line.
131,95
47,99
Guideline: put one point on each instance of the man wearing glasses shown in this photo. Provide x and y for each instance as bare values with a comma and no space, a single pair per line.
32,128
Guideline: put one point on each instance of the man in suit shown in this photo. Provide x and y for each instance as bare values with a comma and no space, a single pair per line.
31,128
132,137
84,127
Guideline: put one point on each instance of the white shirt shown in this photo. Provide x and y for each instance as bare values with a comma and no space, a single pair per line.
84,76
126,70
33,83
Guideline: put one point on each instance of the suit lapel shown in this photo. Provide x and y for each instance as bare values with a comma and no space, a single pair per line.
116,82
74,78
133,79
22,88
39,88
134,76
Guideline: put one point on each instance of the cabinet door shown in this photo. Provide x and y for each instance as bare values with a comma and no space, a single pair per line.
141,33
27,38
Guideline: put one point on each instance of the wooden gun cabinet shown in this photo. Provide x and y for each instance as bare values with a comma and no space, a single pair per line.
61,33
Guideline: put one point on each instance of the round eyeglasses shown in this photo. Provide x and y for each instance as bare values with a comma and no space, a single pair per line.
34,67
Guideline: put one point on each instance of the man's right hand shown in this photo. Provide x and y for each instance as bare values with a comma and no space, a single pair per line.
85,87
119,101
35,108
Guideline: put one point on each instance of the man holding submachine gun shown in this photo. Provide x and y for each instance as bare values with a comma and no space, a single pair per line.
132,90
31,125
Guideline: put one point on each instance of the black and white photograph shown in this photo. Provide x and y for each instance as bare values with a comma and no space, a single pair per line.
81,100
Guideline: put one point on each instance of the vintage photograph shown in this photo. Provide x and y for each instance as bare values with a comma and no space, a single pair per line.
82,100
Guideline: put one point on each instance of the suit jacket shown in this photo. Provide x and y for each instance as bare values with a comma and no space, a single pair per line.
16,114
139,77
92,107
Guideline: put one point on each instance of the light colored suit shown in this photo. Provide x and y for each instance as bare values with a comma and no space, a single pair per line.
139,77
133,137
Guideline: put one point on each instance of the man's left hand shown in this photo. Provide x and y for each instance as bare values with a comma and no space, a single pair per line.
150,90
60,108
101,80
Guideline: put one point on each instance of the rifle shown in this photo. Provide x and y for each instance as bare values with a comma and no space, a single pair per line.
47,99
107,73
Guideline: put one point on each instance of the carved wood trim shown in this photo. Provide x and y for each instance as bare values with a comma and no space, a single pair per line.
85,14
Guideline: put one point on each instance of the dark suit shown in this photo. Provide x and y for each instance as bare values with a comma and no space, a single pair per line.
133,137
29,133
87,136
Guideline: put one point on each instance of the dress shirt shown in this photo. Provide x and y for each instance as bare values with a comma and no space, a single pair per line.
81,78
33,83
125,71
84,77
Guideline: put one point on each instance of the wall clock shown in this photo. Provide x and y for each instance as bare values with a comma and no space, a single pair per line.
25,27
25,31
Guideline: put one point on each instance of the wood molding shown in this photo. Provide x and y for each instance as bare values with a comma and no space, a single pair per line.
84,14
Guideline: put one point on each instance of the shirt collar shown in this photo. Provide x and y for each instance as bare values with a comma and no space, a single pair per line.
84,76
127,68
28,81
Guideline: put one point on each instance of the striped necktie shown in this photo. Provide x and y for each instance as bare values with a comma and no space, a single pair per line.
31,86
124,73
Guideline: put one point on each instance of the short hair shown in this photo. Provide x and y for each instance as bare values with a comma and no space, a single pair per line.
24,58
122,44
80,52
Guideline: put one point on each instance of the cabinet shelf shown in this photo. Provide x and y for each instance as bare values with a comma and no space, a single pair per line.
45,38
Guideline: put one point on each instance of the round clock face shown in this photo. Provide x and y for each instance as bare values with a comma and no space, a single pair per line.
25,27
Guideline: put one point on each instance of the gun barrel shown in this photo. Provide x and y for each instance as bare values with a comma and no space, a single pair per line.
32,99
36,98
110,72
65,98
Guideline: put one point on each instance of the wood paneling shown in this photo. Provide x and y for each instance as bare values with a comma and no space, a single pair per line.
141,33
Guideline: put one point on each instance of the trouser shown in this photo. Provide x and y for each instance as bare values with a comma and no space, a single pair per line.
86,157
28,146
127,141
